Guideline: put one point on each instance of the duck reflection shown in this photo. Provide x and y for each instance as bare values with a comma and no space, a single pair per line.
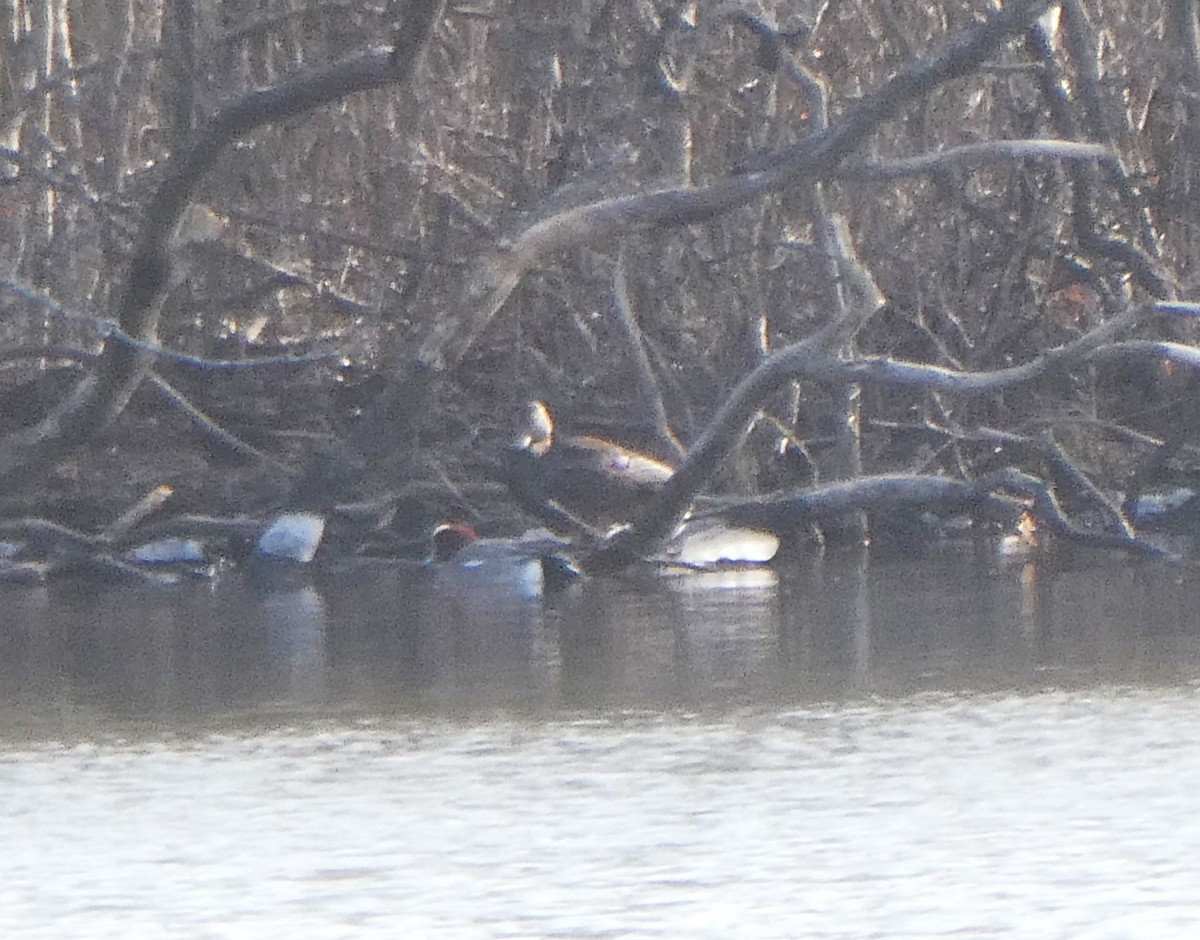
658,640
296,624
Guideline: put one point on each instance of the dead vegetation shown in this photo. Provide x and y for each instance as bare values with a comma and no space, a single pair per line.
317,255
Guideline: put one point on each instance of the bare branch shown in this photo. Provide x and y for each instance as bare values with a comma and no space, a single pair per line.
985,497
996,151
500,271
650,395
209,427
812,359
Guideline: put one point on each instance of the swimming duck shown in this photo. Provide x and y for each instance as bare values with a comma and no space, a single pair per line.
530,566
593,479
292,537
709,545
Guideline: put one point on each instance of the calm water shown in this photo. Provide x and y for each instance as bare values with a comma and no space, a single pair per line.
902,749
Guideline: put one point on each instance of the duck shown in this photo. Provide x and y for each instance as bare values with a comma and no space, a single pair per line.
713,545
596,481
292,537
531,566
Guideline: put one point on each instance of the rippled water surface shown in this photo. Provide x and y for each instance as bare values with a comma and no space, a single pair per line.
903,749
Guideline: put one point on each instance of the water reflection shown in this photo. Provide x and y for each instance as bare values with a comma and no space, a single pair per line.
855,748
391,639
1051,815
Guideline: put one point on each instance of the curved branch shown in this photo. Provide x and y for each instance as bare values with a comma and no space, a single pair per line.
499,272
1179,353
990,151
813,359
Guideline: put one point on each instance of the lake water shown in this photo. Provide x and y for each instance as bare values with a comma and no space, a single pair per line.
896,749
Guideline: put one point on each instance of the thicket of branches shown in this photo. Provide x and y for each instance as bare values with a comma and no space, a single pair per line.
435,215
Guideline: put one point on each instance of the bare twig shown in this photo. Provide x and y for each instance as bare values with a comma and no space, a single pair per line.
649,393
1179,353
210,428
110,330
995,151
134,516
